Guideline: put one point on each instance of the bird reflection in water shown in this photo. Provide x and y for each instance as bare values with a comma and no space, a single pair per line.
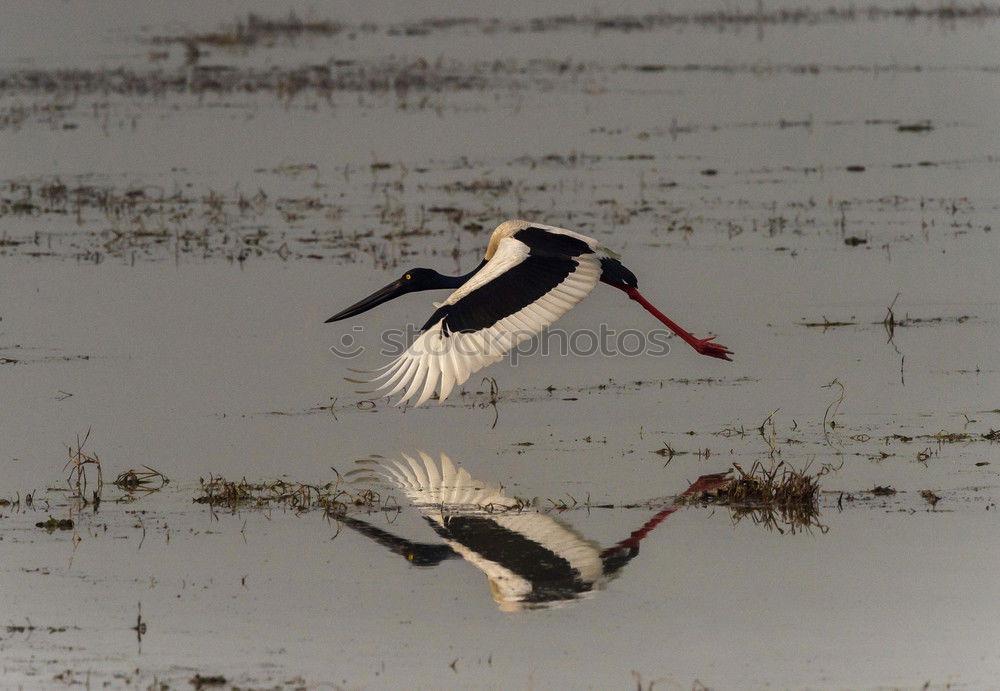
531,559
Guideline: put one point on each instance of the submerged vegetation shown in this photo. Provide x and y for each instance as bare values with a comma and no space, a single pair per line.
332,498
53,524
256,30
145,480
388,213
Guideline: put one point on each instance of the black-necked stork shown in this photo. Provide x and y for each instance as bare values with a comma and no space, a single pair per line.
530,558
531,275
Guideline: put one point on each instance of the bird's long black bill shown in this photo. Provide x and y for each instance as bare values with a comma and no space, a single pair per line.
393,290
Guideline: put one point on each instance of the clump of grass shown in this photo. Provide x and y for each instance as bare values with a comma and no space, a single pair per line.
779,485
773,496
145,480
297,496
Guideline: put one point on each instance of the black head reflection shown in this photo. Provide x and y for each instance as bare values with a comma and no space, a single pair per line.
531,559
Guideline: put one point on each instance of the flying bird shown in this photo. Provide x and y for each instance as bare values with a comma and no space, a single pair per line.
531,275
530,558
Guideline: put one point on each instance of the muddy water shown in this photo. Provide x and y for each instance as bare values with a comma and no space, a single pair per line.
180,213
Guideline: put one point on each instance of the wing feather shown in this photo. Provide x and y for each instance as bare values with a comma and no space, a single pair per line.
401,380
431,379
417,380
447,376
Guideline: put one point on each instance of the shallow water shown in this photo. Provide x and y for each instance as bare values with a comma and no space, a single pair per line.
167,261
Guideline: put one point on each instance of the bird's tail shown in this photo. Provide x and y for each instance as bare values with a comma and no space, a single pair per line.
615,273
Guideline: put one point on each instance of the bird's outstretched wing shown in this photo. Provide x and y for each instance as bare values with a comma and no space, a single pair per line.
427,483
532,279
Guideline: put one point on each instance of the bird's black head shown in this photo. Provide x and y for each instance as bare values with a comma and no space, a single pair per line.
429,555
421,279
411,281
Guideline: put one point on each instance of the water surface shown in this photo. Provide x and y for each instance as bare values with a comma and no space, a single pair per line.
181,207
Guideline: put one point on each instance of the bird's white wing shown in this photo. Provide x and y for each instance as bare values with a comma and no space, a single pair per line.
508,301
428,484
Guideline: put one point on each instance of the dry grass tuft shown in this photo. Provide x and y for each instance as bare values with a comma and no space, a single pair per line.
773,496
778,485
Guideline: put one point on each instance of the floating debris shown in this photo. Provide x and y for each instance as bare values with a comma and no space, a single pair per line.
944,437
915,127
827,324
54,524
200,681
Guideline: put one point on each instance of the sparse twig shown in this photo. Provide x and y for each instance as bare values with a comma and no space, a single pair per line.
494,394
890,322
77,463
832,409
769,438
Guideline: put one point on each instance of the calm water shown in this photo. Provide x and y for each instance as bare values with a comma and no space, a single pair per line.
180,214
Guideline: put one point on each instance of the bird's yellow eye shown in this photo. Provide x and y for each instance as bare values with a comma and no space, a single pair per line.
407,277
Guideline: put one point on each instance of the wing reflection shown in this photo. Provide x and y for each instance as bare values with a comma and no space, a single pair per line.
530,558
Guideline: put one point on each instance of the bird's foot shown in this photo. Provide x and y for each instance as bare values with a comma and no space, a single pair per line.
708,483
706,347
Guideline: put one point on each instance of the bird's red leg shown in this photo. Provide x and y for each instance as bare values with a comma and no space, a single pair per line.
633,540
706,483
702,345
